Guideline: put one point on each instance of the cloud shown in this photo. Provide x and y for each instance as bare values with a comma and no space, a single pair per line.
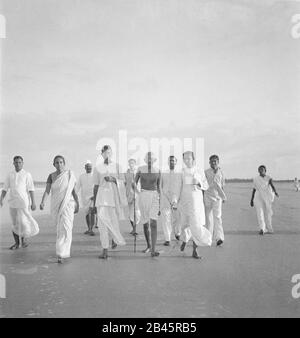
77,71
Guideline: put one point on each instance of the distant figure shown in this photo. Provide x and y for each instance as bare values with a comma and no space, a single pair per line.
64,204
86,187
170,190
149,202
214,196
191,205
262,198
109,198
296,184
20,184
132,196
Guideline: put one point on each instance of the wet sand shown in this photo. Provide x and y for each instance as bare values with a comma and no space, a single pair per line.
250,276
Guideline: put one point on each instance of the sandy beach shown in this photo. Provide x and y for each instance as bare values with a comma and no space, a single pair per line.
250,276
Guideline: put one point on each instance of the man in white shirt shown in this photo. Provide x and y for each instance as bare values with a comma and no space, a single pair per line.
21,199
214,196
170,190
85,186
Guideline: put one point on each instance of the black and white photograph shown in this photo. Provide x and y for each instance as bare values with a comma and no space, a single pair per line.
149,161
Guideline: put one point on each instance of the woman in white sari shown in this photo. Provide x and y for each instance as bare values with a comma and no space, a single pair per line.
64,203
262,198
192,207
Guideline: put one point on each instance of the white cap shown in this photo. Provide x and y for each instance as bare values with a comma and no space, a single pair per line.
88,162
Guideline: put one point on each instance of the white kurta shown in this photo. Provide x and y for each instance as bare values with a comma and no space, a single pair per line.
170,190
192,207
86,187
110,200
213,200
263,199
19,184
62,211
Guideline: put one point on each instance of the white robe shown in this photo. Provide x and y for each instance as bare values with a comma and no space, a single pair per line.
110,201
192,208
62,211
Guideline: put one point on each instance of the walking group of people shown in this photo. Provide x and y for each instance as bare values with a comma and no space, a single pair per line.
186,202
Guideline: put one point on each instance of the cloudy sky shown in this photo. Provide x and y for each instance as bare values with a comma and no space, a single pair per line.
75,71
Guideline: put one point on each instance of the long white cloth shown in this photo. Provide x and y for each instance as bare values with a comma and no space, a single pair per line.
24,224
263,188
149,205
263,199
111,200
192,208
109,224
19,184
62,211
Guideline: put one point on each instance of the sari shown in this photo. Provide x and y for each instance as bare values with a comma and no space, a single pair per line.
62,211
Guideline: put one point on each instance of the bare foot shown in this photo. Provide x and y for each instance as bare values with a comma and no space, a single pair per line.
14,247
25,244
195,255
154,254
104,254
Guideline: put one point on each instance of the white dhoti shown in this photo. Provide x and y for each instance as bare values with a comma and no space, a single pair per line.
109,223
192,228
20,184
213,213
170,219
24,224
149,205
